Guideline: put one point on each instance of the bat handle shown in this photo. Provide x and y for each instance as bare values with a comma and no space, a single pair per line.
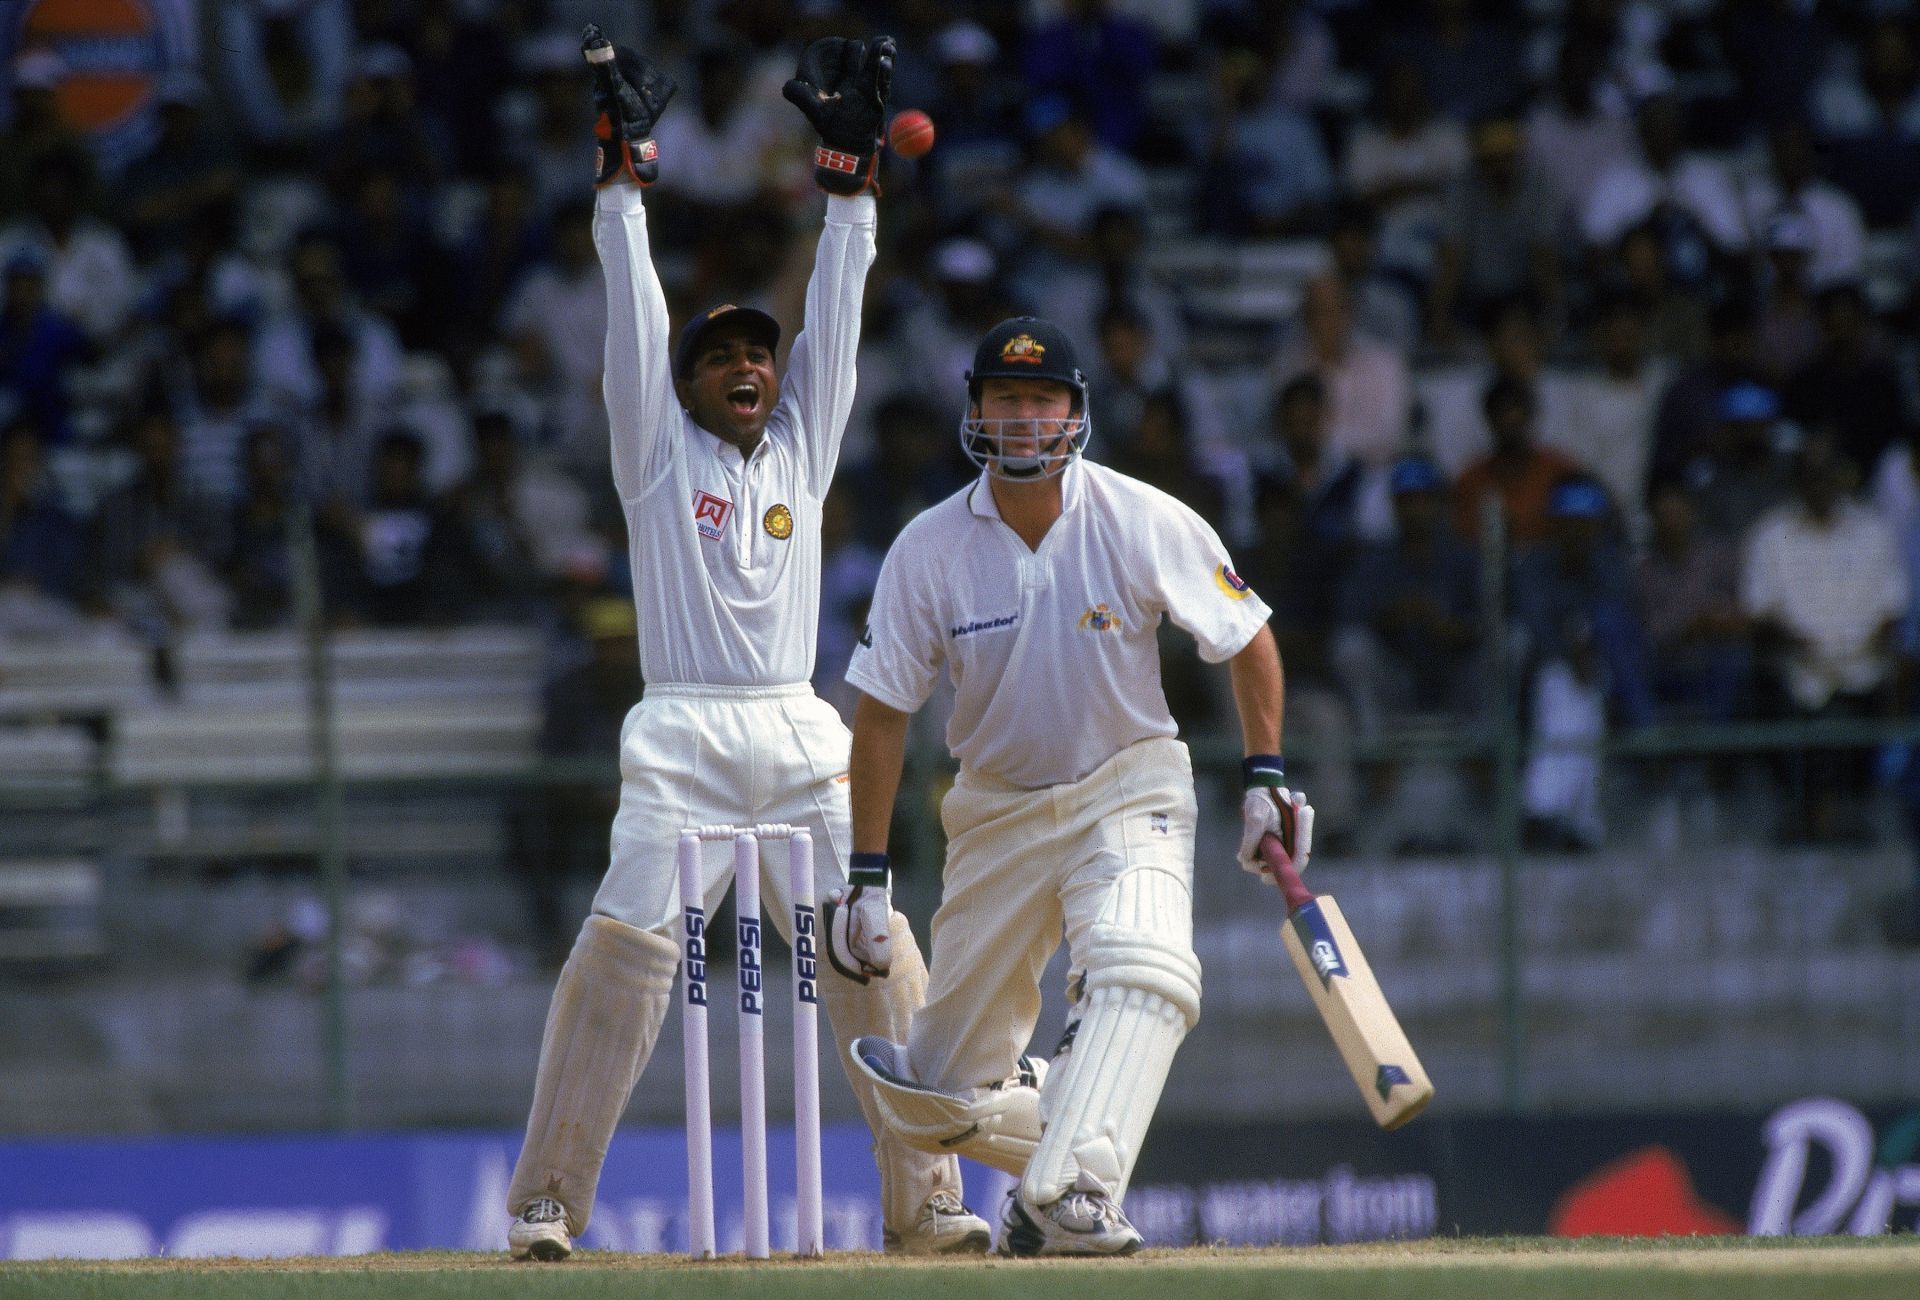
1280,866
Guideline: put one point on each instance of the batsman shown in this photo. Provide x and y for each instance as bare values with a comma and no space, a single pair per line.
1040,588
722,465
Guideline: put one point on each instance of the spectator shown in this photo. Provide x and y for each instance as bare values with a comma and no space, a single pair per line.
544,141
1837,235
34,127
462,58
146,555
1518,471
1160,451
1472,66
1777,49
255,555
1402,162
1453,399
1408,611
1606,415
564,833
1100,60
1070,177
1850,385
1115,272
1822,578
556,323
284,350
1499,238
1743,470
916,462
731,149
978,109
1689,198
389,259
1385,307
1686,594
483,267
1560,789
1789,331
1368,391
1266,170
90,275
382,127
186,178
39,349
1676,320
40,541
1298,45
286,64
214,404
1690,408
402,578
1579,130
1870,123
491,526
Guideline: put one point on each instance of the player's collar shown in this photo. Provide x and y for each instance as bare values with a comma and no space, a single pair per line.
980,499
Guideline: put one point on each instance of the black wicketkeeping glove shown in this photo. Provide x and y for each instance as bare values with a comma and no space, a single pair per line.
842,86
630,94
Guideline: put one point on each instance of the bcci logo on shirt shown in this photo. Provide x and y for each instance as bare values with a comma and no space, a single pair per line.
710,514
778,523
1232,583
1099,619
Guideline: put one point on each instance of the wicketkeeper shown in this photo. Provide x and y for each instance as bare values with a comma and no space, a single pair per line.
722,465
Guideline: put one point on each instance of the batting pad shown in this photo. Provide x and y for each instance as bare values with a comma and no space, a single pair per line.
1142,994
997,1126
883,1008
606,1013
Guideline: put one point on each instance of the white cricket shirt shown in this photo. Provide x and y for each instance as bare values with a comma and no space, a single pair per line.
726,552
1053,653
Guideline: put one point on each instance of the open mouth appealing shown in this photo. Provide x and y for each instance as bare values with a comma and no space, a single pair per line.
743,399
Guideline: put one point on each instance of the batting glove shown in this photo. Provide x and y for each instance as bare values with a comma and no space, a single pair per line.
1269,808
842,87
860,920
630,94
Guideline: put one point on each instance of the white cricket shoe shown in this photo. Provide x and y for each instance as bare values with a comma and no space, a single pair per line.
943,1227
1079,1223
541,1232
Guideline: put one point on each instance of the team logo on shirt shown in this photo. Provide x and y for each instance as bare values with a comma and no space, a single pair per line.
1158,824
1099,619
1024,349
1232,583
778,523
710,514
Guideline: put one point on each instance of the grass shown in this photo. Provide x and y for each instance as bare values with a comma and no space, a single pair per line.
1708,1268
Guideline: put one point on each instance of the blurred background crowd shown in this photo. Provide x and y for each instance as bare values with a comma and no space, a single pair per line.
1343,274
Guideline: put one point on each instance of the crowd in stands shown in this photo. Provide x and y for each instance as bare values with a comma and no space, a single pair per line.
1638,272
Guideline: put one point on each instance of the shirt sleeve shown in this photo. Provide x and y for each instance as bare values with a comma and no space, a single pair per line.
642,409
820,369
901,649
1196,586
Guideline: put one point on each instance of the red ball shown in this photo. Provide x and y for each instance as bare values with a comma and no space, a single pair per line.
911,133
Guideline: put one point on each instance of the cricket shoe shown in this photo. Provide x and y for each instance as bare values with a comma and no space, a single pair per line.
541,1232
1079,1223
943,1227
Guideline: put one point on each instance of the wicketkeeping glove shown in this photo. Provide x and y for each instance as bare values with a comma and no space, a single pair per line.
1270,808
860,920
630,94
842,86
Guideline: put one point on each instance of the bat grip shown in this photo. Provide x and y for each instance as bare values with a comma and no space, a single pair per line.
1280,866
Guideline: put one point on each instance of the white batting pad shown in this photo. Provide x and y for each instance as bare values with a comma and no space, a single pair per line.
883,1008
606,1013
996,1126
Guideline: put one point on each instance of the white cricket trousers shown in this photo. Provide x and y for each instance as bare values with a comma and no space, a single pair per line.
1023,864
738,755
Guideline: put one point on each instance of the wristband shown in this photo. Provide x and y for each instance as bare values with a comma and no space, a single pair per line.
868,870
1261,770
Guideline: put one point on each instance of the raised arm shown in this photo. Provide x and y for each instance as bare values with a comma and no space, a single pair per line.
642,411
841,85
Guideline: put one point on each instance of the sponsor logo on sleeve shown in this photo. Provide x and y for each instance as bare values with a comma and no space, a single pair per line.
1158,824
1231,583
778,522
710,514
1100,618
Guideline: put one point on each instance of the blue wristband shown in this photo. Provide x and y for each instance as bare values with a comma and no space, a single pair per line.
868,869
1261,770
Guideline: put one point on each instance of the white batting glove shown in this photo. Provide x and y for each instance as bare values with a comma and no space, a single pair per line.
1270,808
860,920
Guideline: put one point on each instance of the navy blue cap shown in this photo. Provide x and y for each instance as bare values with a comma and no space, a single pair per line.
1415,474
1026,347
1747,401
1578,498
759,326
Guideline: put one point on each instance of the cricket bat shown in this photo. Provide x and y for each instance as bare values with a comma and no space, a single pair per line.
1348,998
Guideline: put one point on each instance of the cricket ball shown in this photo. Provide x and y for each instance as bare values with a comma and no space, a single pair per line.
911,133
